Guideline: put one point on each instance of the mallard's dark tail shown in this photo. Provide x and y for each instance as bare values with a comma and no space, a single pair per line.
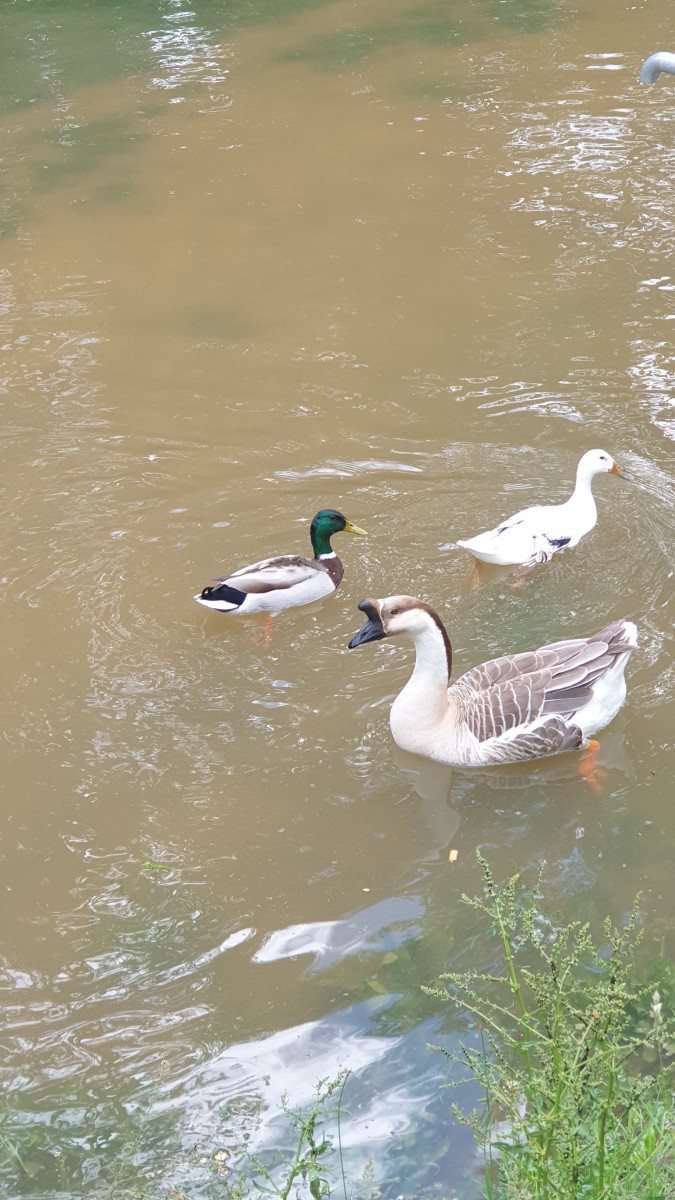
221,597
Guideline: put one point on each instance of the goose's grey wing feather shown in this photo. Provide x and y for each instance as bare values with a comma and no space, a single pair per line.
500,707
550,736
505,693
272,574
614,635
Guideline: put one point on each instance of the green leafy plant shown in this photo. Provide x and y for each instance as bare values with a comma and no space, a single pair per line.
309,1161
566,1114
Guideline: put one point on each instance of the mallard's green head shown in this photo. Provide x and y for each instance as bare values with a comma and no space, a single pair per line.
325,524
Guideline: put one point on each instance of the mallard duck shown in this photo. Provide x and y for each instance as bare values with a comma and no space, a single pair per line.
277,583
535,534
518,707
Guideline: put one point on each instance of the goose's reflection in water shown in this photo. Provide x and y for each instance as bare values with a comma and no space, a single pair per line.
432,782
469,809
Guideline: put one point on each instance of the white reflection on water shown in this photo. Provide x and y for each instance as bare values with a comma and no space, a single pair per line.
377,928
654,375
392,1084
186,55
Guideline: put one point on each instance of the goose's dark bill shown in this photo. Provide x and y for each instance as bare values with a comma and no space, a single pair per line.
617,470
373,629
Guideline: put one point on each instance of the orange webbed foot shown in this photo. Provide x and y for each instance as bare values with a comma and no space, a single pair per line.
590,769
522,576
263,637
473,578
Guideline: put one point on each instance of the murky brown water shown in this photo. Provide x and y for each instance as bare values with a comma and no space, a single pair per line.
312,255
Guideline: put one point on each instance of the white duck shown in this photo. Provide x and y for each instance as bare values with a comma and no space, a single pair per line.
535,534
510,709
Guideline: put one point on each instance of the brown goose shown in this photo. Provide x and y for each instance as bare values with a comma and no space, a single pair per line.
509,709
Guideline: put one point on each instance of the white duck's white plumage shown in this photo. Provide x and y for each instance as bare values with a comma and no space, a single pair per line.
286,581
535,534
510,709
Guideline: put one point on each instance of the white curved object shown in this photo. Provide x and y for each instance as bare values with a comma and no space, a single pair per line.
652,67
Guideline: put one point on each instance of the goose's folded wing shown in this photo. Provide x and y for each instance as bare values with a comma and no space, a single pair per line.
497,708
551,735
508,693
273,574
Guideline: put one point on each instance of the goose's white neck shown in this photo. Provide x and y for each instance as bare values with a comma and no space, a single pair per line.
423,703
